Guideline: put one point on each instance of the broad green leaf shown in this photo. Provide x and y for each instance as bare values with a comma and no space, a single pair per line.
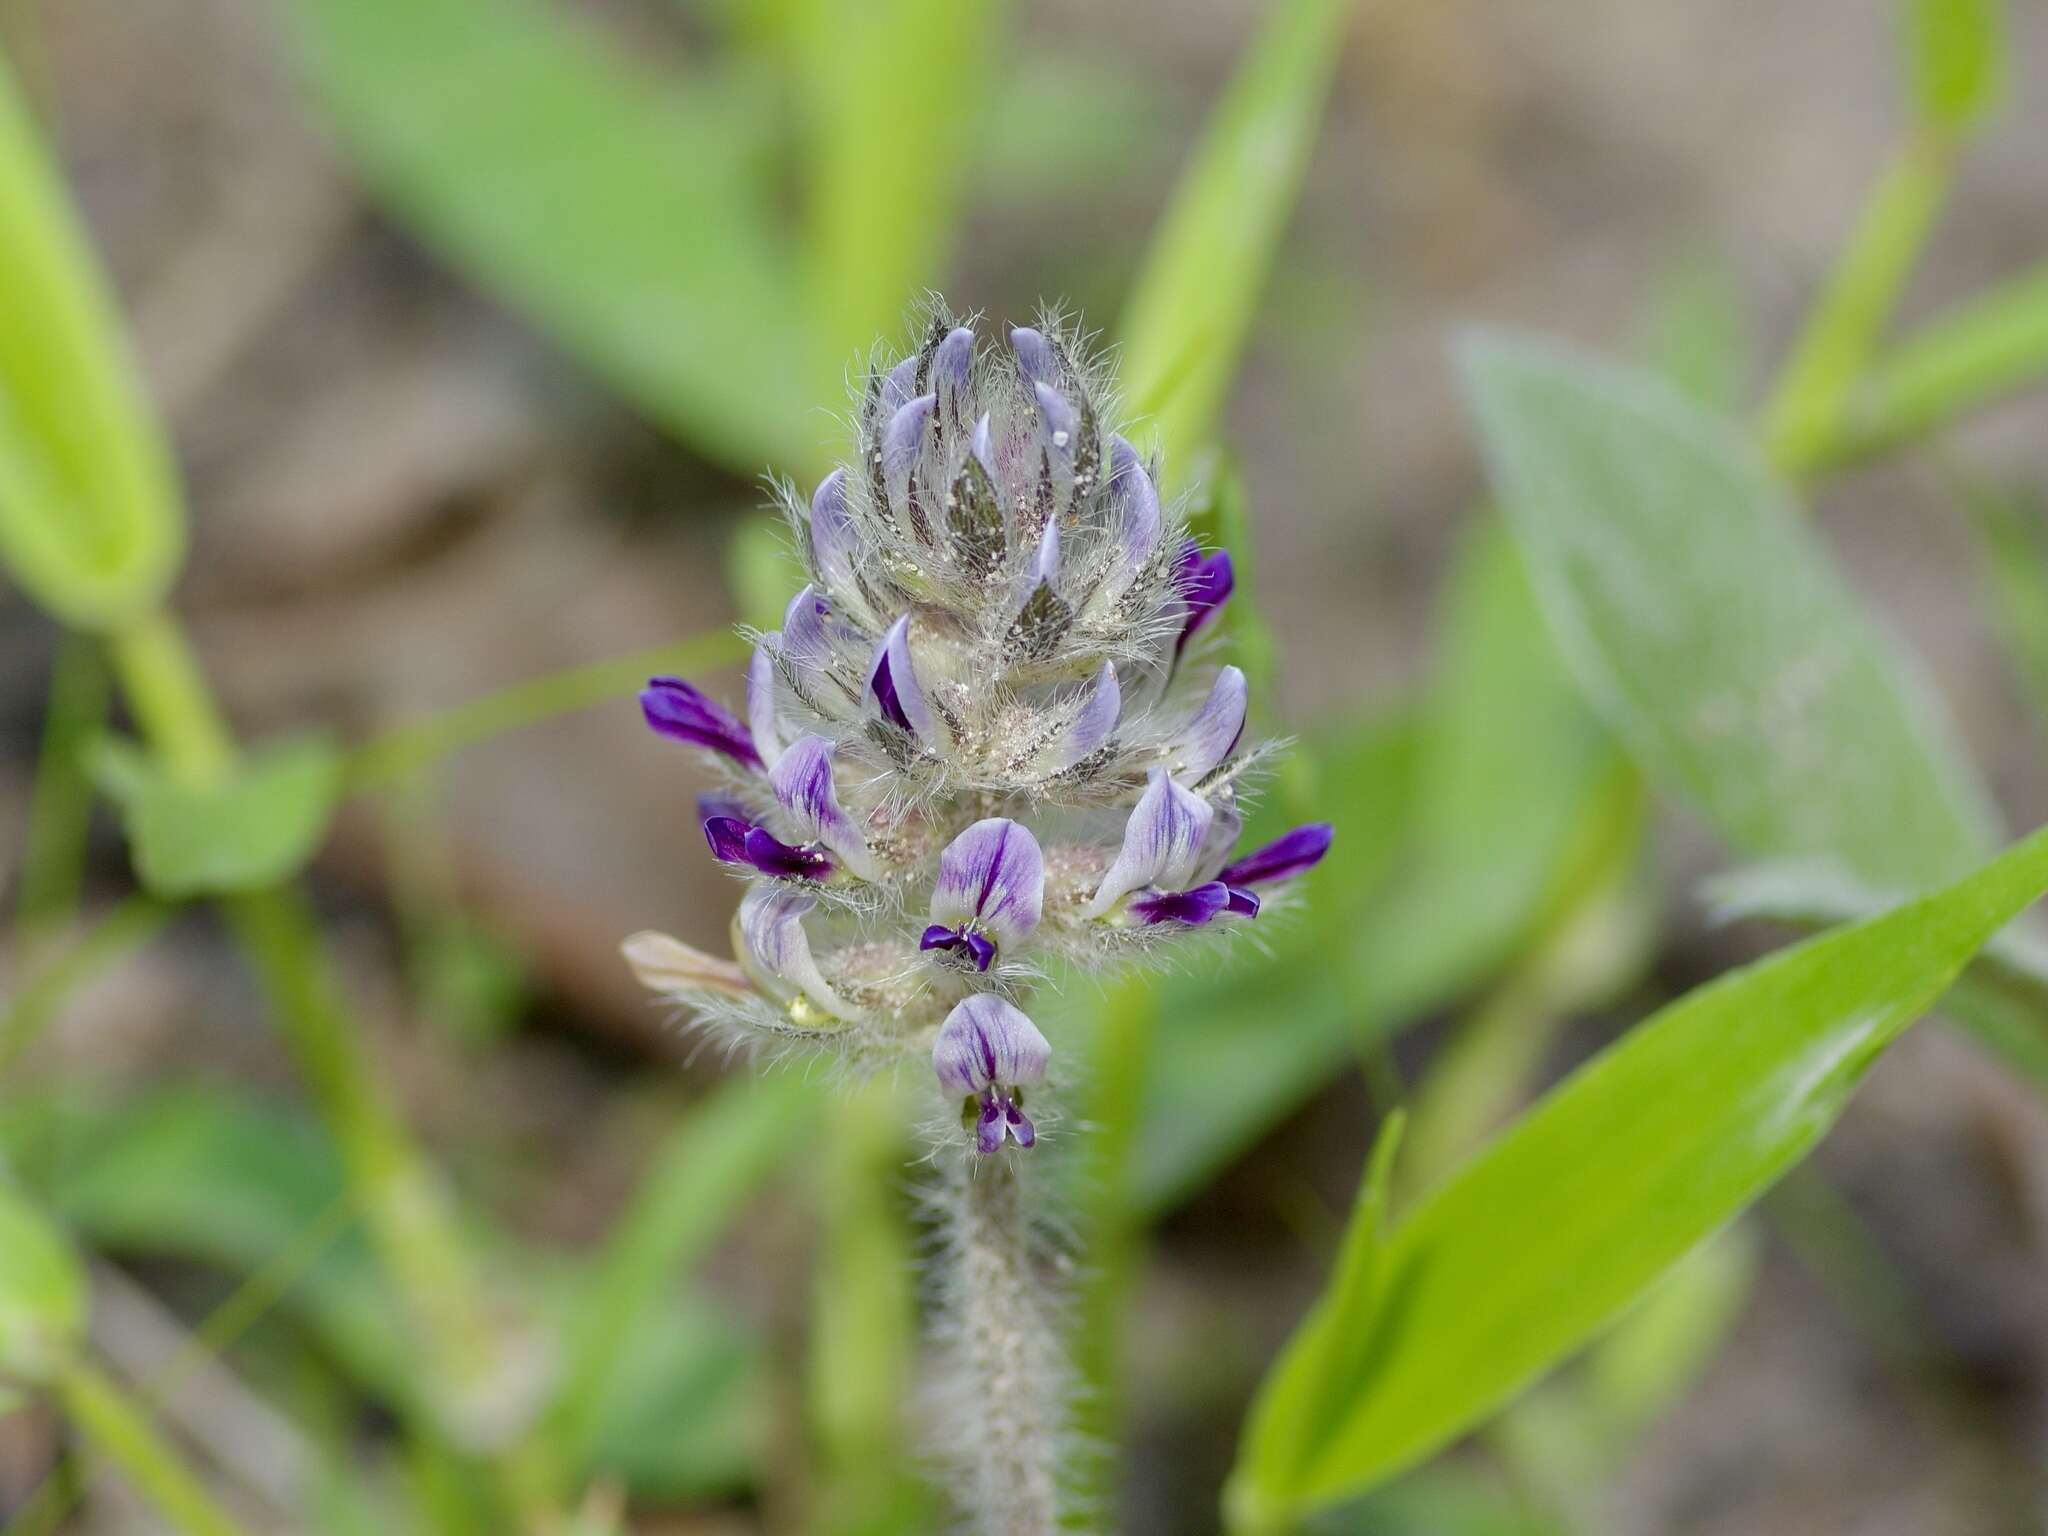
1956,51
1472,811
624,212
1185,322
42,1291
1704,618
1649,1149
253,828
91,523
893,93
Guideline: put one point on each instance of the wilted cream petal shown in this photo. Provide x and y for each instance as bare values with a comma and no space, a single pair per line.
664,964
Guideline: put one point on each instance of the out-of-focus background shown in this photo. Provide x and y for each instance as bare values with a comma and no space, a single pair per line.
407,491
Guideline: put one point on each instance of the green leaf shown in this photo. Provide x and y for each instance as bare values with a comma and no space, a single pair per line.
1984,347
2011,529
1703,617
253,828
1543,1240
42,1291
625,213
1473,811
1185,323
1956,50
894,92
714,1159
91,523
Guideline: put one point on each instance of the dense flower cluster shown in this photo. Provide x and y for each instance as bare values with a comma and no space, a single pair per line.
980,737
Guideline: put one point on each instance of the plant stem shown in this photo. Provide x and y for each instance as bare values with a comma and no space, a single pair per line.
412,747
1845,326
403,1204
60,812
120,1429
43,995
1009,1384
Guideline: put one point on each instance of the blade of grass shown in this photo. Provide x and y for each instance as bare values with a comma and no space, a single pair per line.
60,811
120,1429
1184,326
41,999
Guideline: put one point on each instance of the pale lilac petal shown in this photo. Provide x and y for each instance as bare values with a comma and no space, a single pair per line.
988,1042
953,377
1060,421
802,781
991,877
834,541
1136,522
1092,727
761,720
1216,729
1219,844
806,641
1036,358
899,386
1162,840
1193,908
894,686
1292,854
771,926
902,441
1045,563
685,713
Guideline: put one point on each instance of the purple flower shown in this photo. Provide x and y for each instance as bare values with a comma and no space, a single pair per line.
735,840
1205,584
1059,421
893,684
772,938
1286,856
986,1054
1281,859
1162,841
990,892
802,781
675,708
1214,732
900,385
901,442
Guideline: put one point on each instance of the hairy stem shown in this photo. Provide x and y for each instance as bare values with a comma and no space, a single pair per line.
1008,1403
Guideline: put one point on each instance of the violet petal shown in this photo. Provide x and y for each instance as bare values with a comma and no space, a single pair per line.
679,710
1286,856
1036,359
1205,582
893,683
761,723
1092,727
1136,522
771,856
834,541
953,377
727,836
1193,907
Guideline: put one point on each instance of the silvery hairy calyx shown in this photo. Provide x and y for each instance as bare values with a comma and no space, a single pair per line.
985,738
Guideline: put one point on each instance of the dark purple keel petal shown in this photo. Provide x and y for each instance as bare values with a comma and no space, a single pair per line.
980,948
1283,858
1206,582
682,712
894,686
1194,907
1243,902
988,1127
939,936
770,855
727,836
